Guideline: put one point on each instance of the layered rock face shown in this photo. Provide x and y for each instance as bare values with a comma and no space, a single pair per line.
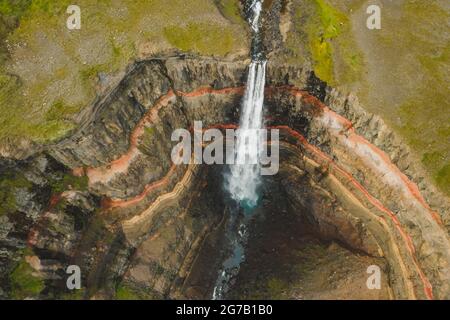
141,225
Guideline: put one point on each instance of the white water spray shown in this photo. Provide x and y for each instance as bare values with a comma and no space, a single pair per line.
244,178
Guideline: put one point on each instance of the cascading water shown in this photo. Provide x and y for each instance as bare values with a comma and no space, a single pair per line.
244,178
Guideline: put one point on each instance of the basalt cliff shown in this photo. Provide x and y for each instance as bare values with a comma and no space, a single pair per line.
109,199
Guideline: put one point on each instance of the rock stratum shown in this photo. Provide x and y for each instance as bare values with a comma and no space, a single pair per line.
108,198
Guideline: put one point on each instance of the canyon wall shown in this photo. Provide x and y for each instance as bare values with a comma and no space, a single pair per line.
138,222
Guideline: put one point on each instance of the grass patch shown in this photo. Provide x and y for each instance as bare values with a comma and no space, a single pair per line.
14,8
200,38
126,293
90,73
38,103
321,33
50,130
10,14
425,116
59,110
424,128
442,178
230,10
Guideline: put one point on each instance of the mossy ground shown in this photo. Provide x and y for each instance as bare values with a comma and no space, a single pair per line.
49,73
321,35
125,291
67,181
231,10
192,38
425,115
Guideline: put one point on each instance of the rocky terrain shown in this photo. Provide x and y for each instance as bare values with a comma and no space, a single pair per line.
106,197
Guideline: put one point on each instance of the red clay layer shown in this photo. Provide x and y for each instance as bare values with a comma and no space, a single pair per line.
116,203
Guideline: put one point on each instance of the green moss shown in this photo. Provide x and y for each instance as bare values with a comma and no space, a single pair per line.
424,115
59,110
148,137
126,293
50,130
24,283
9,85
275,288
331,19
74,295
68,181
14,111
200,38
10,14
415,60
14,8
439,166
89,73
443,178
321,33
425,127
230,10
8,187
322,55
432,159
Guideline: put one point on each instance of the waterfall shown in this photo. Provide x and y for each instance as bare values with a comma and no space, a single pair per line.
255,8
244,178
